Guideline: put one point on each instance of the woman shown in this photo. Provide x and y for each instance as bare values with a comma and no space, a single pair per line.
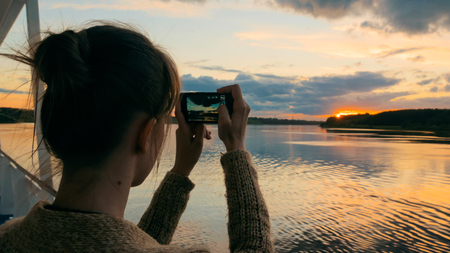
109,94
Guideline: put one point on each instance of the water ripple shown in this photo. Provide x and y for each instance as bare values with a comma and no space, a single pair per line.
326,192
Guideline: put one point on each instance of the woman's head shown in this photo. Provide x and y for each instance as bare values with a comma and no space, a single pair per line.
98,80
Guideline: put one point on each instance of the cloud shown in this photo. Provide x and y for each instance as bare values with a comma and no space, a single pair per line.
243,77
375,26
188,1
217,68
347,67
313,96
447,88
202,83
434,89
426,102
418,58
385,54
331,9
196,62
389,16
176,8
426,81
6,91
446,77
266,66
337,85
415,16
436,80
275,77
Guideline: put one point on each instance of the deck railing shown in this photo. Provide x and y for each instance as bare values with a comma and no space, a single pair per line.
19,189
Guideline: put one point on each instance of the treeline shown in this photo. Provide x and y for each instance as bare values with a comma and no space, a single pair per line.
420,119
14,115
275,121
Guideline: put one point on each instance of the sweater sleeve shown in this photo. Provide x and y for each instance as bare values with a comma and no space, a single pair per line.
168,204
248,217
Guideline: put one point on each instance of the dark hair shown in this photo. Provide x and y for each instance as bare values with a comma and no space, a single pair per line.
97,80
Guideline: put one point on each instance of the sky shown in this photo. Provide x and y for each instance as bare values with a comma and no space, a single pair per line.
191,106
302,59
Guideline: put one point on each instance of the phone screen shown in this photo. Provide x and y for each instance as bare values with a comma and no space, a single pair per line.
202,107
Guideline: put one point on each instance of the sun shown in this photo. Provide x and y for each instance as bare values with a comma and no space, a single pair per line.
344,113
355,112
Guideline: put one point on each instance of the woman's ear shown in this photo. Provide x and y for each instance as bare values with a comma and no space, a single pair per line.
144,136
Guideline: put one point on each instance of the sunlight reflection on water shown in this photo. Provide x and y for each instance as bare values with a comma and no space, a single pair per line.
326,191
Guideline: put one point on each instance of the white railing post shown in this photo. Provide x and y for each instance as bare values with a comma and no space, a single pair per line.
6,186
34,36
9,11
19,189
21,193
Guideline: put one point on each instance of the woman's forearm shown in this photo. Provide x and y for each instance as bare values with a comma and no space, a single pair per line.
249,224
168,204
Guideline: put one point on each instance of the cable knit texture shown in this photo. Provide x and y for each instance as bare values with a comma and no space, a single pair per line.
45,230
168,204
249,224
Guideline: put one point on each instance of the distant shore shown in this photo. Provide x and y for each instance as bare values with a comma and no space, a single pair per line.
274,121
433,120
15,115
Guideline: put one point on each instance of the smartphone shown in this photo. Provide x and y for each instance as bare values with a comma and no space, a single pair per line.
201,107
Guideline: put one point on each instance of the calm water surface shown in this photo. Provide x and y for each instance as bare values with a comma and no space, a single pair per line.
327,191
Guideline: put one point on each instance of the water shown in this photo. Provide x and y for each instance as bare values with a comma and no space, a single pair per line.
327,191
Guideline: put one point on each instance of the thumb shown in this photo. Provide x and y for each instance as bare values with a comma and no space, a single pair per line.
207,134
199,132
180,118
224,115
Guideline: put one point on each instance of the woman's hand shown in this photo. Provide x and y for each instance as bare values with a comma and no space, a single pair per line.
232,130
189,144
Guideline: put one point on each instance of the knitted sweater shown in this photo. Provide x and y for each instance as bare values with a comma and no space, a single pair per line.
46,230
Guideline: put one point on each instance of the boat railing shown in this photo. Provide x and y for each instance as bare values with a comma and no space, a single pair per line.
19,189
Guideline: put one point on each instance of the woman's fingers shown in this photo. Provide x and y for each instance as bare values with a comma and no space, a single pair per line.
207,134
224,116
180,118
186,128
235,91
239,104
199,133
232,130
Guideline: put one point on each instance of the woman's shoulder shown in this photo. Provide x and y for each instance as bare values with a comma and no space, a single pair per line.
10,224
7,233
15,223
42,229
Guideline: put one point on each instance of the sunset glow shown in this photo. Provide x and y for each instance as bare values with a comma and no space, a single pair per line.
331,131
346,113
291,61
354,112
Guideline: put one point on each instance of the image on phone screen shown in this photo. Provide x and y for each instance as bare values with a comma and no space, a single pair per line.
202,106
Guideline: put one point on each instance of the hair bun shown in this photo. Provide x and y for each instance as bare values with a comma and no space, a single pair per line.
61,62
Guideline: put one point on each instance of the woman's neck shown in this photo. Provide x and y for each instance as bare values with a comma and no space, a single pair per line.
105,189
96,190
